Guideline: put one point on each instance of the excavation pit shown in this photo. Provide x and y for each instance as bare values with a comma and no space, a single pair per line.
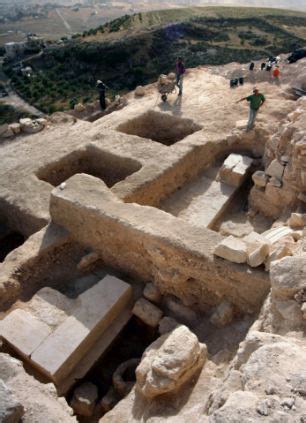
103,165
9,241
160,127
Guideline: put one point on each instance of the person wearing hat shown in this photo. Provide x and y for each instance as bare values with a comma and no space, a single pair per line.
256,100
101,88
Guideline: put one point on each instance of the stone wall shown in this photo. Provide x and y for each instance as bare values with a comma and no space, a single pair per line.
150,244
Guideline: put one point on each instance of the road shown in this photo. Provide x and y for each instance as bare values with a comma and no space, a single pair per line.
67,26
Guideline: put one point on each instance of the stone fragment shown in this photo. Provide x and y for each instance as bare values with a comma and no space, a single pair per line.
140,91
235,169
288,402
275,234
167,324
84,399
11,410
180,311
257,249
152,293
223,315
79,108
88,260
297,220
23,331
232,249
109,400
147,312
260,179
15,127
121,382
262,408
42,121
169,362
275,169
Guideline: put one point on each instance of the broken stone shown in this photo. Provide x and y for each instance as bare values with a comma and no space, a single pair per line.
88,260
147,312
257,249
232,249
169,362
288,402
167,324
234,169
15,127
84,399
140,91
297,220
152,293
275,234
223,315
42,121
260,179
121,385
10,408
275,169
79,108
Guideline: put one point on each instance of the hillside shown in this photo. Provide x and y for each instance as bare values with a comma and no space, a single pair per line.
134,50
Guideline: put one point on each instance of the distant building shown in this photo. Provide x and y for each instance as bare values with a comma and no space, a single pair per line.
14,49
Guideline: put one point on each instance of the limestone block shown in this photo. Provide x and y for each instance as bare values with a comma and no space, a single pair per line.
275,234
169,362
260,179
297,220
223,315
288,276
23,331
84,399
10,408
147,312
88,260
66,346
234,169
140,91
232,249
167,324
15,127
79,108
278,252
257,249
152,293
275,169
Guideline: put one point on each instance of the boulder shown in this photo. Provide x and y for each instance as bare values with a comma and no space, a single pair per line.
275,169
152,293
147,312
297,220
260,179
223,315
30,126
42,121
11,410
232,249
84,399
79,108
140,91
169,362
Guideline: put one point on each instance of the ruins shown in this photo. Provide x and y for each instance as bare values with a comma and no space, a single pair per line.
153,260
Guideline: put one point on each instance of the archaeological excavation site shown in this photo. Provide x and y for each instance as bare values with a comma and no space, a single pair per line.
153,260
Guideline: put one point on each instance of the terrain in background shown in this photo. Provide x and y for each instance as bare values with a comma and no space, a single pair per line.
133,50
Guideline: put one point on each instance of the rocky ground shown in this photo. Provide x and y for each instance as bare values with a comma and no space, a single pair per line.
196,370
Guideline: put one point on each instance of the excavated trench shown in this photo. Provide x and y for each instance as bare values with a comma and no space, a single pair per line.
9,240
160,127
103,165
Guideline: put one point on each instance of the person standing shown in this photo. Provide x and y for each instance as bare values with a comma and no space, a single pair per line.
101,88
179,70
256,100
276,73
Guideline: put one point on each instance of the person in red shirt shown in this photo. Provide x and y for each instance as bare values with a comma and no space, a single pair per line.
276,72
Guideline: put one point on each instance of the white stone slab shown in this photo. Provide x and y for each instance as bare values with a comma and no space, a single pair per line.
275,234
68,344
23,331
235,169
